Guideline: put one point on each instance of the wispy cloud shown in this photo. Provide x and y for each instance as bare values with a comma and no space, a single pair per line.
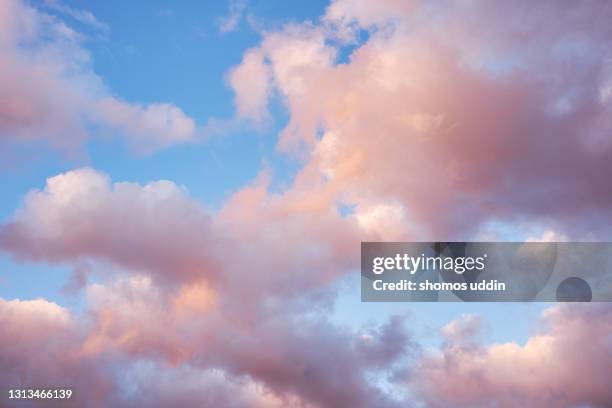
235,13
82,16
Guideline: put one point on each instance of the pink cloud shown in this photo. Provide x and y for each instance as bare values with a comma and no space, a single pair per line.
453,127
426,130
158,124
284,351
244,291
28,360
81,215
290,243
284,359
42,345
252,84
566,365
51,93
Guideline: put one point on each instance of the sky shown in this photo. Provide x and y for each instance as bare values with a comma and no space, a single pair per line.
186,186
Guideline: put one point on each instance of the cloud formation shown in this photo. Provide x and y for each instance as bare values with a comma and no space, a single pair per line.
55,362
284,359
105,378
262,266
455,127
136,329
257,336
412,124
158,229
50,92
81,215
542,372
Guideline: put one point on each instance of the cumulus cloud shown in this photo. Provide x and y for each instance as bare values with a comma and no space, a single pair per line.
251,78
427,129
542,372
81,215
289,242
462,330
456,127
51,93
280,358
260,339
293,59
160,385
285,351
185,286
106,378
26,360
205,358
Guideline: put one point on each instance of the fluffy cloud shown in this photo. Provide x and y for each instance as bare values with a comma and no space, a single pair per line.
106,378
81,215
456,127
251,77
289,243
253,340
51,93
244,291
158,385
542,372
282,359
133,327
283,350
25,360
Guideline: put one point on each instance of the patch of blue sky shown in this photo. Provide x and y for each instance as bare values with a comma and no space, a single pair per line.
345,51
30,280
